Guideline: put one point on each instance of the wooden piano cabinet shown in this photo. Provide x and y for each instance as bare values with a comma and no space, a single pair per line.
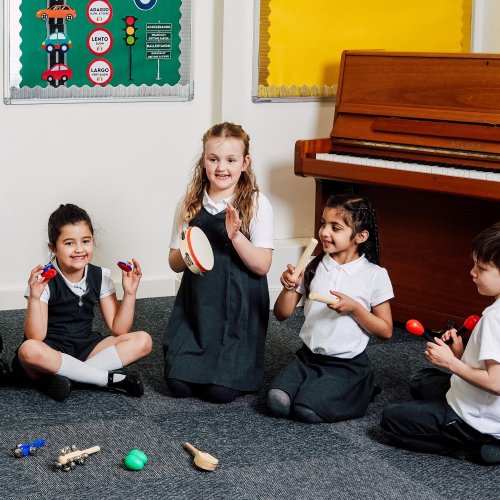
421,107
425,246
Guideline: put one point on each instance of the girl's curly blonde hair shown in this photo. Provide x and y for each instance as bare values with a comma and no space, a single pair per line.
246,189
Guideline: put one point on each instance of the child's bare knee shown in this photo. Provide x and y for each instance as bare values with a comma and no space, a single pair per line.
31,351
145,342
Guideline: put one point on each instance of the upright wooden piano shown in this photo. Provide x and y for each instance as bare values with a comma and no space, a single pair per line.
419,135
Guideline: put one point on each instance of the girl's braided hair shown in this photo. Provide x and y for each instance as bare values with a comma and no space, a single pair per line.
358,213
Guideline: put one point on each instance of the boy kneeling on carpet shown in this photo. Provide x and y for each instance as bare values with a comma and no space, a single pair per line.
464,424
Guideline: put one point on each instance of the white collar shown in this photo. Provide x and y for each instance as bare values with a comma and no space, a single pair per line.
349,268
216,205
80,285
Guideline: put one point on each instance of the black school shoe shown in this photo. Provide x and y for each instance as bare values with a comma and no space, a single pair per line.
5,372
132,384
490,453
56,386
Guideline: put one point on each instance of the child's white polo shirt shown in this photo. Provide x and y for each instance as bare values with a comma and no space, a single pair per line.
479,408
327,332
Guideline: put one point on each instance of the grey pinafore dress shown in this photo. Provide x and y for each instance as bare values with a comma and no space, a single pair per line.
217,329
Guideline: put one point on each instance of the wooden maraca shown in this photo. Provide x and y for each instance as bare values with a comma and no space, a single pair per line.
202,459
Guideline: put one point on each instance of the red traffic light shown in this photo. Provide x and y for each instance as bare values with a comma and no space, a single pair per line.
130,20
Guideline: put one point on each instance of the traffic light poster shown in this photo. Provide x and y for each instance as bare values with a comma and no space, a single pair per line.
98,50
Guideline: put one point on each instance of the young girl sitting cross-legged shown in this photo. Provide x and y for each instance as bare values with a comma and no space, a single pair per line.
59,343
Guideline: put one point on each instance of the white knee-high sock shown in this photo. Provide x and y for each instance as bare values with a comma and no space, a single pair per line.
79,371
107,359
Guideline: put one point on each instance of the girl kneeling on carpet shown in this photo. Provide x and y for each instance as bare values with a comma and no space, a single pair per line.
214,341
330,378
59,345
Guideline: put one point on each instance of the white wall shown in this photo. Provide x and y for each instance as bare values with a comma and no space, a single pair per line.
126,163
129,185
486,23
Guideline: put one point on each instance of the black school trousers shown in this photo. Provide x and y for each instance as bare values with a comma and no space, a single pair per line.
429,424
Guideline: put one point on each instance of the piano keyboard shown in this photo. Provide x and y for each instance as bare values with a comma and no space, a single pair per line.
451,171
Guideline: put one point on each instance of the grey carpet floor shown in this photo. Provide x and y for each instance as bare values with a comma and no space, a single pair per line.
260,456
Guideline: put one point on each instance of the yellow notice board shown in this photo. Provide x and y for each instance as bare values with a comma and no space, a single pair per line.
300,43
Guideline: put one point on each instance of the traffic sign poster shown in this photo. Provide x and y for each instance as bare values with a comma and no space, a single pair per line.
99,49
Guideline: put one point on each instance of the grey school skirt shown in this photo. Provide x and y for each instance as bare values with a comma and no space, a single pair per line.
335,388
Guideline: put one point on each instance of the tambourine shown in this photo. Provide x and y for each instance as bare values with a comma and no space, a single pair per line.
196,250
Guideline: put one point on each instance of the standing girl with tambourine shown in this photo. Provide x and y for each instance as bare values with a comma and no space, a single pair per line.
214,341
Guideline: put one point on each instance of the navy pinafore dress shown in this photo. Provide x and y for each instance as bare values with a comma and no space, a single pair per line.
70,318
217,329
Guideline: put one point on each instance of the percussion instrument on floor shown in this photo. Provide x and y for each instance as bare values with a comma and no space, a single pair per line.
202,459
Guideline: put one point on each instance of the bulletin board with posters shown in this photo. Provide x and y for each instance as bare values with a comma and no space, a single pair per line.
298,45
80,50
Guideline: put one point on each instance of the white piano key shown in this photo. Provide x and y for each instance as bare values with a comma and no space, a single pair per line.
450,171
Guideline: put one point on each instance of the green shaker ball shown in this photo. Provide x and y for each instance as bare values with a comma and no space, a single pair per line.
140,455
132,462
